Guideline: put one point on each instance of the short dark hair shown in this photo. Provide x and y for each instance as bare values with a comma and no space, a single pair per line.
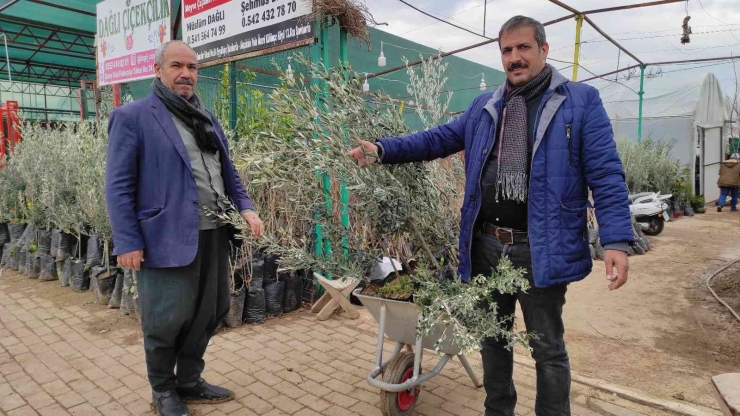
518,21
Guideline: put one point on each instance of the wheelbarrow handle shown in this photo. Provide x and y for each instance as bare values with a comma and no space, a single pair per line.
419,350
470,371
381,338
395,388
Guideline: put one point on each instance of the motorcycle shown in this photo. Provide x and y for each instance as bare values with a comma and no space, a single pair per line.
650,209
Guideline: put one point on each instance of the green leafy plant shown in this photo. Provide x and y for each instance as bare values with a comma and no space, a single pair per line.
240,268
682,189
697,202
469,308
92,147
11,198
648,166
56,178
396,211
31,160
426,86
400,288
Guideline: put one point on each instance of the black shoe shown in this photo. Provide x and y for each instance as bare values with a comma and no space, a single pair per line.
169,404
719,208
205,393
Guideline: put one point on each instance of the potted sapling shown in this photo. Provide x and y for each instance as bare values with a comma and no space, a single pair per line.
399,205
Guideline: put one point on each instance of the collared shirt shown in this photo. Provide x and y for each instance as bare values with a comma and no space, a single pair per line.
207,172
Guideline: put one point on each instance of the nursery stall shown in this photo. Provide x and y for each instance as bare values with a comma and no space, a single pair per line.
690,112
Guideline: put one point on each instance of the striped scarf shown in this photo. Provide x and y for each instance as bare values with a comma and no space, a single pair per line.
512,183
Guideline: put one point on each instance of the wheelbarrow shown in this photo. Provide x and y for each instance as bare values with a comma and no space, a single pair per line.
401,381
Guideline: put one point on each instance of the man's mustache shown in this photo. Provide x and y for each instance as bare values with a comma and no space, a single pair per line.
184,81
517,65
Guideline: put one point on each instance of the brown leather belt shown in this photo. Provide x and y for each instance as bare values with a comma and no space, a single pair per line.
505,235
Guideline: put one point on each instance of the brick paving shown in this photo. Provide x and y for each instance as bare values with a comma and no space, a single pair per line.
52,364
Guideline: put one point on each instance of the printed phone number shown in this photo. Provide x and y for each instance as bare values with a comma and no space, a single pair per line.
269,14
204,35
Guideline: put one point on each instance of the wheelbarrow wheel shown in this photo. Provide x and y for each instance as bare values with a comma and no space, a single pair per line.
399,370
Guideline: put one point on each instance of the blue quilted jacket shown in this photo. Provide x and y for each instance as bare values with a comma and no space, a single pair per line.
574,150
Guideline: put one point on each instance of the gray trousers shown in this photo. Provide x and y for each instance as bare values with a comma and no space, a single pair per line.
181,308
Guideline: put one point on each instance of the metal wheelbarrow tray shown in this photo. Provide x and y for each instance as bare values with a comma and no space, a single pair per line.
401,374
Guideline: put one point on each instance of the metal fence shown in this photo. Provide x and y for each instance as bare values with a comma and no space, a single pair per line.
261,73
215,84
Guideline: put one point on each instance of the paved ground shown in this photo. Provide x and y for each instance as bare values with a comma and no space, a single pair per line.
51,363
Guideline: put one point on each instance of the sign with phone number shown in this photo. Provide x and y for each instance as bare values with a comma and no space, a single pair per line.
218,29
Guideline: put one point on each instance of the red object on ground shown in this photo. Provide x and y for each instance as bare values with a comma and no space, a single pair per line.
406,398
10,134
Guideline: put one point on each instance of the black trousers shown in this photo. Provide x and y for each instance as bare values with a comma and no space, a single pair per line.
542,309
181,308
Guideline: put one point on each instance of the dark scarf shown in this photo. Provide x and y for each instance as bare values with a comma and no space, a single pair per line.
513,157
190,112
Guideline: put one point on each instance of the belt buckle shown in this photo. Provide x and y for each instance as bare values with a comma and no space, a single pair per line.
506,232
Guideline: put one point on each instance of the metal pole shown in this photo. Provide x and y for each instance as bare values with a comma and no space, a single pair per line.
7,63
632,6
83,101
7,58
232,97
381,337
627,68
116,95
343,49
613,42
344,192
726,58
315,59
619,56
485,7
418,349
641,93
577,53
469,370
456,51
325,103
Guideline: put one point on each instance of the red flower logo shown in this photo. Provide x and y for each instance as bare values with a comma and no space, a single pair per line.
129,41
162,33
104,48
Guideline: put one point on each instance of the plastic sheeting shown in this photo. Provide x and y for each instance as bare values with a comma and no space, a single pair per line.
699,98
674,110
679,130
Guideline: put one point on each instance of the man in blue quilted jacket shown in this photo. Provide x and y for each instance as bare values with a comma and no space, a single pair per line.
533,149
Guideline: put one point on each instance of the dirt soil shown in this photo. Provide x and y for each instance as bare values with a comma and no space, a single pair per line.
663,333
108,319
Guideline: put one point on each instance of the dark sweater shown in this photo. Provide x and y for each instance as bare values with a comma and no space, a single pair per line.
505,213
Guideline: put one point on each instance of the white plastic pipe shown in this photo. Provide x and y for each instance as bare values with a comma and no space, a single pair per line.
7,57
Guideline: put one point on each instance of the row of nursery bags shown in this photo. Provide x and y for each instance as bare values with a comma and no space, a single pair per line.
267,291
49,255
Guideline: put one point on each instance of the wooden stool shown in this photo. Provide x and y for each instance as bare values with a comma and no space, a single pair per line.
727,390
335,296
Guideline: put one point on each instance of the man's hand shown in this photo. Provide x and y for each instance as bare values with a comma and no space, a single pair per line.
254,221
131,260
616,259
366,154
